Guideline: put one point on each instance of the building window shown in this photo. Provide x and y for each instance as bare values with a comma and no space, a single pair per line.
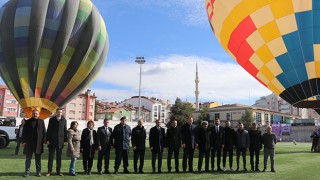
11,109
79,111
162,109
155,108
162,115
0,104
90,113
9,93
258,118
266,117
72,112
11,101
228,116
72,104
91,106
155,114
1,96
216,115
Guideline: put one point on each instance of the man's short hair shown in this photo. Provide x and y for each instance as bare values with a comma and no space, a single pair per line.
106,119
123,118
253,124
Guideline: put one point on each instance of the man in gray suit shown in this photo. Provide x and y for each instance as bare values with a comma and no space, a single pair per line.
104,145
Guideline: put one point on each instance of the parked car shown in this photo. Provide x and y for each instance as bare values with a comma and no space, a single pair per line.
7,131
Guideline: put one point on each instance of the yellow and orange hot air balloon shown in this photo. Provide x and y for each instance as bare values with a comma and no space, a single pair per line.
50,50
276,41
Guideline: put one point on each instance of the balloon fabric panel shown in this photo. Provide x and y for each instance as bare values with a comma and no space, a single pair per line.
277,42
59,47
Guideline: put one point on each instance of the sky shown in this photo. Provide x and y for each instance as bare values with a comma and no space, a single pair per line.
172,36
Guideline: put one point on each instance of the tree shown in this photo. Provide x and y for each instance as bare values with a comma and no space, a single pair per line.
247,118
204,116
180,111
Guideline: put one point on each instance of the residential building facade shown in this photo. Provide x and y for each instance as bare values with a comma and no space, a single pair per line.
275,103
159,109
81,107
9,106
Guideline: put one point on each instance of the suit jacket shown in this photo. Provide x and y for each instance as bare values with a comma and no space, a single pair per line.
230,138
189,135
173,138
216,138
88,149
204,139
57,132
157,139
255,139
138,137
34,135
104,139
121,137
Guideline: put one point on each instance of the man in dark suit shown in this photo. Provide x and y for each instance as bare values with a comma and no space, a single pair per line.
255,146
33,138
56,136
204,145
173,143
138,140
228,145
189,143
104,145
216,143
157,140
121,138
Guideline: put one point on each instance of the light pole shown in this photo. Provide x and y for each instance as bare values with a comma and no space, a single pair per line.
140,60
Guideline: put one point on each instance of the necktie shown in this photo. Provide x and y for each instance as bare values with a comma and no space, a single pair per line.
91,136
217,129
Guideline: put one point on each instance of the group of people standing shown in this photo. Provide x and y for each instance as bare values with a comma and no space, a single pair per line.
213,141
217,141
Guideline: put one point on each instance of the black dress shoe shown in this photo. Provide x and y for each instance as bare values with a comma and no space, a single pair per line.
89,173
126,171
159,171
272,170
264,170
100,172
38,174
141,172
116,172
177,171
107,172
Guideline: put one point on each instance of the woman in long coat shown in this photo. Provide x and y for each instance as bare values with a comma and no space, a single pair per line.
88,146
73,150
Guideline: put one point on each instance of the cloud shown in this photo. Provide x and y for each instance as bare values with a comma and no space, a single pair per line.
174,76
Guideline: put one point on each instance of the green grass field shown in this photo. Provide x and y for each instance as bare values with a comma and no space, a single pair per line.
292,162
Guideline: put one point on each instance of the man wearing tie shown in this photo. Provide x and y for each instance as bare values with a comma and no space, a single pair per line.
216,143
189,143
56,136
104,146
157,141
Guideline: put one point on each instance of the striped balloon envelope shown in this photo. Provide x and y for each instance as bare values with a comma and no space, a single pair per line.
50,50
276,41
